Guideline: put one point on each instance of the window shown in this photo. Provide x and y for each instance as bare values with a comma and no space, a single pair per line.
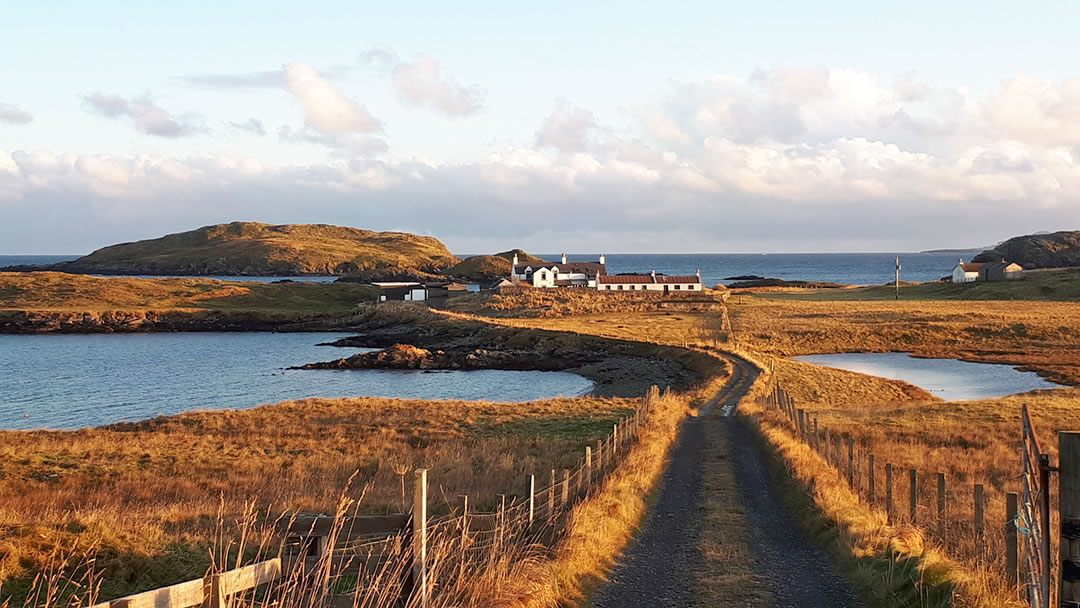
678,287
621,287
609,287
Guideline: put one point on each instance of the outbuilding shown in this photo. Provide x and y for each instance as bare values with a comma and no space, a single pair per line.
1001,271
401,291
649,282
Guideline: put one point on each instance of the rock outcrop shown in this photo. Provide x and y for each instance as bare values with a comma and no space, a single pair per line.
1054,250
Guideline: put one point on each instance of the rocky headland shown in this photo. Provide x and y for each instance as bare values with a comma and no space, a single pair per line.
1053,250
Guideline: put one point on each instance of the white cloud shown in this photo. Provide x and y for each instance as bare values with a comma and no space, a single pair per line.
1035,110
422,83
567,128
328,110
146,116
14,115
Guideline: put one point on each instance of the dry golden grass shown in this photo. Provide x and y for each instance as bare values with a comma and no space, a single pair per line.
970,442
149,493
1044,336
57,291
533,302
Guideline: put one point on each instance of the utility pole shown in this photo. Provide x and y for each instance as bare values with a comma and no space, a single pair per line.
898,278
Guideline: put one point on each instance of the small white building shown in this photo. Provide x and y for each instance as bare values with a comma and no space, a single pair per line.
966,272
561,274
401,291
650,282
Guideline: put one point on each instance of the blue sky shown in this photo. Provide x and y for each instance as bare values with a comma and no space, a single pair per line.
782,126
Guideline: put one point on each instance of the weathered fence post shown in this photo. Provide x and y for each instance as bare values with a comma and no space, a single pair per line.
1069,497
419,537
464,536
980,520
565,488
888,493
532,499
802,424
870,481
828,447
614,441
839,457
851,461
1012,573
942,526
913,478
551,496
817,438
588,469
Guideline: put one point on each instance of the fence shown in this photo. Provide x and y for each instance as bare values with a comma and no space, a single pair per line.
409,559
1025,563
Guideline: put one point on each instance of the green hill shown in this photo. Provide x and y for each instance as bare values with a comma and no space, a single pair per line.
254,249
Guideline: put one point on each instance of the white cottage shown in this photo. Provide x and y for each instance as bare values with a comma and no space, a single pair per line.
650,282
966,272
561,274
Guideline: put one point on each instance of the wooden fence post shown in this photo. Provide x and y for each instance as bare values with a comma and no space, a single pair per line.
565,488
614,440
828,447
870,481
802,423
888,493
942,526
532,499
913,495
1069,497
980,520
551,496
419,537
599,460
464,536
851,461
839,457
817,438
1012,573
588,469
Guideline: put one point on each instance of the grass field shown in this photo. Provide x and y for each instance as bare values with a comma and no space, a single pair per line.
56,291
1047,285
148,494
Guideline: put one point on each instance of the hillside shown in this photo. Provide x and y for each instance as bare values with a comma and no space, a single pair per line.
490,266
1053,250
254,249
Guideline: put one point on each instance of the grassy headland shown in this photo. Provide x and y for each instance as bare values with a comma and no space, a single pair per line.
51,301
251,248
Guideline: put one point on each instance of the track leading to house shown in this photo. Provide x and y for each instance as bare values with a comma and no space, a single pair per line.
661,566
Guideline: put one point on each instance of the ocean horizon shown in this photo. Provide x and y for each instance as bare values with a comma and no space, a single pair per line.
717,268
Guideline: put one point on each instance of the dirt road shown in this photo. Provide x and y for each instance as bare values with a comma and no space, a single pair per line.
661,566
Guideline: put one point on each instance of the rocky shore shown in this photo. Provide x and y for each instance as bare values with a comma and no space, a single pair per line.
33,322
618,368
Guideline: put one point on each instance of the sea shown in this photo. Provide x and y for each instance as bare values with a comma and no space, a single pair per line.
718,268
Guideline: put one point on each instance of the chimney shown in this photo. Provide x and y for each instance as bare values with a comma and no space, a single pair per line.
515,260
603,259
699,274
564,258
653,275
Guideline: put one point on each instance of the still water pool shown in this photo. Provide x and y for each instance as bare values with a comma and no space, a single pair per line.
950,379
72,381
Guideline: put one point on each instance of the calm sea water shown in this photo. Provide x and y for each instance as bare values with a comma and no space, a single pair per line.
849,268
64,381
950,379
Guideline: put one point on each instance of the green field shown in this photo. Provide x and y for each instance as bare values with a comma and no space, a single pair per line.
1046,285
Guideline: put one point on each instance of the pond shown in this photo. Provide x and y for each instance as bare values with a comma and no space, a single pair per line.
949,379
63,381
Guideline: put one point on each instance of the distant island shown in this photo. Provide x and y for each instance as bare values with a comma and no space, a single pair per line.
256,249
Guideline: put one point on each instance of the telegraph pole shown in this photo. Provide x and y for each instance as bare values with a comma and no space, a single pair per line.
897,278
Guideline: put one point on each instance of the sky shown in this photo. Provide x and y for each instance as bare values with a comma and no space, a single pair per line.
677,127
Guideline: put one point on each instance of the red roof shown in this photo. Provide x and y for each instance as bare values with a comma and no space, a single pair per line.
971,266
647,279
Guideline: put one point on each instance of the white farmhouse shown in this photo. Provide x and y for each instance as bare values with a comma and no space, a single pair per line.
561,274
650,282
966,272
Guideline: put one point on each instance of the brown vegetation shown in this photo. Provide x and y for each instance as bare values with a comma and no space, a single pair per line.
532,303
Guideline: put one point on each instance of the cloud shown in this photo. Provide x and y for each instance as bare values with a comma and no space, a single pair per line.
567,128
328,111
350,144
421,83
146,116
1035,110
251,125
269,79
14,115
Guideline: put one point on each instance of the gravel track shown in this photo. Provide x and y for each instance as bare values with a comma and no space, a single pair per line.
660,567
